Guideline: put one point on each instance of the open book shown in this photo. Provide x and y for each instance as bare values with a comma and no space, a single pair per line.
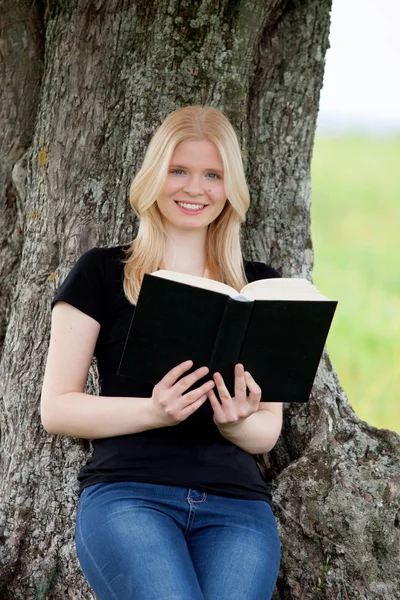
276,328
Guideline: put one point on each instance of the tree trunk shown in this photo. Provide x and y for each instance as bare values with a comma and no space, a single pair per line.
85,83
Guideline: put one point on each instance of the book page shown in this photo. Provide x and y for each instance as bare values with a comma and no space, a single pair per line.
200,282
283,288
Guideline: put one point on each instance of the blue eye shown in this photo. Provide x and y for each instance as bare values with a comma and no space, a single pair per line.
179,171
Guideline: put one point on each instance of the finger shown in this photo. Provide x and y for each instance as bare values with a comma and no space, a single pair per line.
213,398
254,388
193,395
216,405
240,382
222,389
171,377
186,382
191,408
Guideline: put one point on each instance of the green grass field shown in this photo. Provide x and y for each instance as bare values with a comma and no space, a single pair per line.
355,223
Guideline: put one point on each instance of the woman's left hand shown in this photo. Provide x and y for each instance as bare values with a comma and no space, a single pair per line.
231,411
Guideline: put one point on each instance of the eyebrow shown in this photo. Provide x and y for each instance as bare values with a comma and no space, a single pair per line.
183,167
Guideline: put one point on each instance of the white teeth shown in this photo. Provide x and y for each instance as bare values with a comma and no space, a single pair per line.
191,206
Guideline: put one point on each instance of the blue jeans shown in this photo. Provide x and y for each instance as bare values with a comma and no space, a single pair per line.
146,541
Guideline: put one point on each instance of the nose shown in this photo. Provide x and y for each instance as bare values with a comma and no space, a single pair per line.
194,186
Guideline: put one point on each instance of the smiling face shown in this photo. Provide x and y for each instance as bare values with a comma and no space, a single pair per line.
195,177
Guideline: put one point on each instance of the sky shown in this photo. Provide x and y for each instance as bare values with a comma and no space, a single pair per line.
361,89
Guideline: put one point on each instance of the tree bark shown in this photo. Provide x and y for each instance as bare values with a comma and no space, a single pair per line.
90,80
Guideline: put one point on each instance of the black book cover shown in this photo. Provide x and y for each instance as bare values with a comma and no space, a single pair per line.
280,342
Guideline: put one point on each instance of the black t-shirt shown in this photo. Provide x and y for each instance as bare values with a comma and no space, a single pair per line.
191,454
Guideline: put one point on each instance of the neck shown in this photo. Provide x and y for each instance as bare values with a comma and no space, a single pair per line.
185,252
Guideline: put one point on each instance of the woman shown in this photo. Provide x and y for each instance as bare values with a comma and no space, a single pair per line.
171,502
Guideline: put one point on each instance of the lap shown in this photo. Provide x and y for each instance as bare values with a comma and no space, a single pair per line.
131,550
150,541
238,557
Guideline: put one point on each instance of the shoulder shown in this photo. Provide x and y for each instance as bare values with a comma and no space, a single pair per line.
260,270
90,283
92,255
103,256
112,252
90,264
95,265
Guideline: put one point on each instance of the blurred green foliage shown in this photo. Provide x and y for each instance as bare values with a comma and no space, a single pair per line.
355,224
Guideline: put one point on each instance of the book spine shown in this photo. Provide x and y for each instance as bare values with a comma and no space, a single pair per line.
229,340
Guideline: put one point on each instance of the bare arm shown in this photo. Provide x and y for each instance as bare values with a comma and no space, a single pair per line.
258,433
67,410
76,414
244,420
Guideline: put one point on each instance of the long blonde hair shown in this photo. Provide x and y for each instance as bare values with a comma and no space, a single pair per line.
223,254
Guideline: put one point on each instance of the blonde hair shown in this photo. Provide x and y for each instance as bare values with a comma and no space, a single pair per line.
223,254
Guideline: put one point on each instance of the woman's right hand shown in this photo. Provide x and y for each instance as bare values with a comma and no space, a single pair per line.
170,402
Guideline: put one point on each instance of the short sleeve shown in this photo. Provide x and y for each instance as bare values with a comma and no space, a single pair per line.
258,270
85,284
270,272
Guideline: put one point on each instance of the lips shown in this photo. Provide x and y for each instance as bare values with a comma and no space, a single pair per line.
192,211
187,202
